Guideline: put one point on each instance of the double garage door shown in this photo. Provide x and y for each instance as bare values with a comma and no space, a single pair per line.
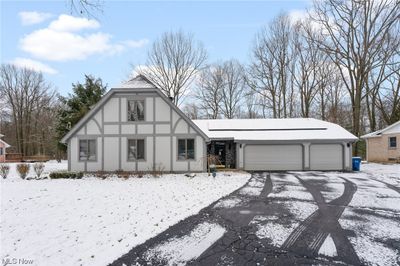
290,157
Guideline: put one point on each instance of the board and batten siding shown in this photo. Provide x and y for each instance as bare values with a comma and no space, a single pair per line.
161,129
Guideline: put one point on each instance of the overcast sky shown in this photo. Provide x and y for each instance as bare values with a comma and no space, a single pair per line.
44,35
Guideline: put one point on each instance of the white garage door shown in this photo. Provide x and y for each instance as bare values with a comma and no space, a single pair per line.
273,157
326,157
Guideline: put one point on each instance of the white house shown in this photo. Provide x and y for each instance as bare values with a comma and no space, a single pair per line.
280,144
135,127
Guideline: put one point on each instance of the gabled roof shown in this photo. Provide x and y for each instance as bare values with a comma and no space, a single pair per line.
378,133
5,143
139,83
274,129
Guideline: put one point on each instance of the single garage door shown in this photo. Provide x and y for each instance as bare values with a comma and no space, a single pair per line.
326,157
273,157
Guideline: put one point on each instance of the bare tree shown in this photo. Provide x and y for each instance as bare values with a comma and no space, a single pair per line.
270,67
354,34
389,97
192,111
209,89
87,8
29,99
308,62
173,62
234,89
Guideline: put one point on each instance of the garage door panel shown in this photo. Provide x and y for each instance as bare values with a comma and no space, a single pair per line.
326,157
273,157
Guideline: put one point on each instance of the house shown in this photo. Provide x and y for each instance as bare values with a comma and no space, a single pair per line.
279,144
3,147
383,145
135,127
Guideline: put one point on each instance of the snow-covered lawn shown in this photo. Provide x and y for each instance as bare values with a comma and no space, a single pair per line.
92,221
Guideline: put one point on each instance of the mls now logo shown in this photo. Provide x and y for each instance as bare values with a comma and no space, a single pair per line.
15,261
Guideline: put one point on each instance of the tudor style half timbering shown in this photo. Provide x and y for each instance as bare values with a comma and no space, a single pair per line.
135,127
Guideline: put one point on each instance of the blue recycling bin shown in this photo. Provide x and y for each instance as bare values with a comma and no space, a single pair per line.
356,163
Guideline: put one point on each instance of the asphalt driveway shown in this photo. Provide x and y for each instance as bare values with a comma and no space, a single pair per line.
286,219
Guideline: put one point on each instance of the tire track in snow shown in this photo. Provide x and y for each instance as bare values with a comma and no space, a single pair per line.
310,235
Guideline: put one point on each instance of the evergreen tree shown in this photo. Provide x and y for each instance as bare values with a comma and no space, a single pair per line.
78,104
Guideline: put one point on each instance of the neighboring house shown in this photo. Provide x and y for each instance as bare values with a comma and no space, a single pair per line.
135,127
383,145
3,147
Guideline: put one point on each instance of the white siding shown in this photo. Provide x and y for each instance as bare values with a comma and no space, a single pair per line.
145,129
163,152
128,129
177,164
127,166
111,153
95,166
115,153
92,127
147,165
149,109
111,129
75,164
163,129
162,110
111,110
199,163
182,127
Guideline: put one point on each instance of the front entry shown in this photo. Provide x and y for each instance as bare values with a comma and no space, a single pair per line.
225,152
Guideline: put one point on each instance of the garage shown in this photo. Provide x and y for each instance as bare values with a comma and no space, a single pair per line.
326,157
273,157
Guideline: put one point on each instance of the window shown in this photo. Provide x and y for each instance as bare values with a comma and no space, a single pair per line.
135,149
392,142
185,149
135,110
87,150
1,150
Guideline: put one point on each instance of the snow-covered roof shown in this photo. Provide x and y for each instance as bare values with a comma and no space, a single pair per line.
273,129
5,143
140,82
392,129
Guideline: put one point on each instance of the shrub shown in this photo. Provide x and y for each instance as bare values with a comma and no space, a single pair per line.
158,170
66,174
38,167
23,169
4,170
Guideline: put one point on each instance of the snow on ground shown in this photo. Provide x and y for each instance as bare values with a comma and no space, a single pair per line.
389,173
328,248
178,251
374,214
288,193
92,221
50,166
229,203
288,186
331,186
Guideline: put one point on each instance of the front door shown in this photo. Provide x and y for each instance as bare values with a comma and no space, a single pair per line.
219,150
